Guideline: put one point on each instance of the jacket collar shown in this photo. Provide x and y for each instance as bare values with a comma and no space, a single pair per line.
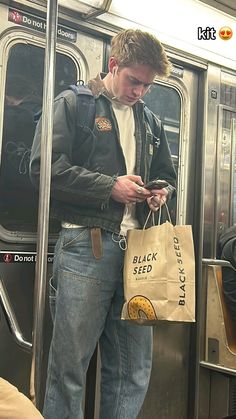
97,86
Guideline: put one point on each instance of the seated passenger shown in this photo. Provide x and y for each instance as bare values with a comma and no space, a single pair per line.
15,405
227,251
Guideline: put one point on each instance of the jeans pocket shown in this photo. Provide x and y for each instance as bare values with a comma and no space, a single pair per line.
73,235
52,297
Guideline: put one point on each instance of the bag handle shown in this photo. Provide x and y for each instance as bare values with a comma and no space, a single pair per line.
159,216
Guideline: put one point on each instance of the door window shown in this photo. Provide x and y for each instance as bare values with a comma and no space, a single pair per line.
226,187
165,102
23,100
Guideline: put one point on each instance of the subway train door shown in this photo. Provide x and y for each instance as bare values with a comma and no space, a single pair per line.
21,75
172,379
217,367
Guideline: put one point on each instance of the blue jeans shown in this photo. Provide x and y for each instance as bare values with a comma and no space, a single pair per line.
86,303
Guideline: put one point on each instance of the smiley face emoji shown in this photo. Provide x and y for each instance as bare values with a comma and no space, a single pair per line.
225,33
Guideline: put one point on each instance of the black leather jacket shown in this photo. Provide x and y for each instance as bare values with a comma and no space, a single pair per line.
83,175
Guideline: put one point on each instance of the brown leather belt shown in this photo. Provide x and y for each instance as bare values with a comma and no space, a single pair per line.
96,239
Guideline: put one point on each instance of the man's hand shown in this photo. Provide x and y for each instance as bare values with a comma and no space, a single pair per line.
129,189
157,199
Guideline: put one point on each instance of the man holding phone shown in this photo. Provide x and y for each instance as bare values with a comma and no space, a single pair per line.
159,193
98,193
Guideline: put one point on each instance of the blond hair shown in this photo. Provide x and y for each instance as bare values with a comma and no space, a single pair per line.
133,46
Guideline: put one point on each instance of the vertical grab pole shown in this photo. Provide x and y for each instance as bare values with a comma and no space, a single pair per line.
44,199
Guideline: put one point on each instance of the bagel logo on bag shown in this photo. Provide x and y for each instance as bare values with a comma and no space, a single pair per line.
140,307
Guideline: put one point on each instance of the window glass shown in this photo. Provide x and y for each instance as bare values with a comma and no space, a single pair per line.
233,127
226,173
226,188
165,102
23,99
228,94
228,89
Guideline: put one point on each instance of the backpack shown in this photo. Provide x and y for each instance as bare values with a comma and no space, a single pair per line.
85,109
86,112
85,106
17,155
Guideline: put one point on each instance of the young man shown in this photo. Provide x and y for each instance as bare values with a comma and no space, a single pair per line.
98,194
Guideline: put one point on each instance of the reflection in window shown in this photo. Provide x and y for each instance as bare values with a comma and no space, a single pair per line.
23,99
233,133
226,182
165,102
228,94
228,89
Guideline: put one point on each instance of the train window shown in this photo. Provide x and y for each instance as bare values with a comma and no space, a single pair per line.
228,93
165,102
226,162
23,99
227,169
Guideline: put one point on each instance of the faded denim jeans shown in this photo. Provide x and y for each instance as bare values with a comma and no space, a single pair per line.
86,303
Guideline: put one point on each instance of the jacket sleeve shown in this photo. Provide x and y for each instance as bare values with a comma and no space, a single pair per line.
69,183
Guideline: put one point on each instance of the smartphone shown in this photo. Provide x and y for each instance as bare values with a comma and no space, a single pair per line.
156,184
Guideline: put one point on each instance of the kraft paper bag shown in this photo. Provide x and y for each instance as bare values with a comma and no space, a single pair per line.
159,274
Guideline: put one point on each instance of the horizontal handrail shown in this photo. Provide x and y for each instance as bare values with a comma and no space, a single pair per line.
12,320
217,262
218,367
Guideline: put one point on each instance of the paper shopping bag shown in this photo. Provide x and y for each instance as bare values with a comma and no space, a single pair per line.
159,274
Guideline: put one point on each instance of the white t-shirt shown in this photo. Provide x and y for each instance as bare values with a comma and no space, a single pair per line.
125,120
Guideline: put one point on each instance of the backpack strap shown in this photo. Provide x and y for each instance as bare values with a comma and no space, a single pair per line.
85,107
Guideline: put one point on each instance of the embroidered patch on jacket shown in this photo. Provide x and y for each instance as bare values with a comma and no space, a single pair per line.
103,124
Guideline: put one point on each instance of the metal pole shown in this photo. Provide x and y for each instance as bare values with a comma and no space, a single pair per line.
12,320
44,199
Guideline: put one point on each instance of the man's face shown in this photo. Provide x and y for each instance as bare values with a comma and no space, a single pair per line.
129,84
